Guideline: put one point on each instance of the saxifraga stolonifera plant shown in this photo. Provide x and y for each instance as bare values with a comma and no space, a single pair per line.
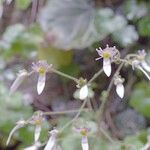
109,55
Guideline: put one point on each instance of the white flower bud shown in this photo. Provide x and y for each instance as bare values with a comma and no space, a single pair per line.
83,93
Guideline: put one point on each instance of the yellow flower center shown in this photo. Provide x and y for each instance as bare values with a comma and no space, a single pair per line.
38,122
141,58
41,71
106,55
84,132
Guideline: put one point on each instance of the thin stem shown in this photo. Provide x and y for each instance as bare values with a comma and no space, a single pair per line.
106,135
64,75
104,100
64,112
77,115
95,76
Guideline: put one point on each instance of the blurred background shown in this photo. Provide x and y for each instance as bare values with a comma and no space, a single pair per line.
66,34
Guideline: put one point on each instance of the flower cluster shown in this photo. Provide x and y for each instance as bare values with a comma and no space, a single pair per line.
36,120
41,68
140,63
108,54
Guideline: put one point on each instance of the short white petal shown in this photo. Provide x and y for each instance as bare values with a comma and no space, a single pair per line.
107,66
17,82
51,143
145,66
146,74
37,132
83,93
84,142
41,83
120,90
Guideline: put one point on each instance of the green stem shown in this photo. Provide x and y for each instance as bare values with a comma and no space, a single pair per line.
77,115
104,100
64,75
95,76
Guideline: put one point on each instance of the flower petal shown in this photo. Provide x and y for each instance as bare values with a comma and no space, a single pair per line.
84,142
107,66
52,140
51,143
146,74
19,125
41,83
83,93
145,66
21,77
37,132
120,90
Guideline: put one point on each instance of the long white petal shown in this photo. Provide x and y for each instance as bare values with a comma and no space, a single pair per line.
145,66
37,132
41,83
51,143
21,77
84,142
83,93
107,66
146,74
18,126
120,90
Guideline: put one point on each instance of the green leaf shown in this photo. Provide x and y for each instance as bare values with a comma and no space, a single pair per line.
22,4
55,56
144,26
126,36
140,99
11,33
134,9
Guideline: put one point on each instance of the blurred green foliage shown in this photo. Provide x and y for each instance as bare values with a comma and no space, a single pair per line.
61,28
140,99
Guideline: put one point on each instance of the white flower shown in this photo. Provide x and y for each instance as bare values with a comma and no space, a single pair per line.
41,67
118,81
20,78
52,140
19,125
37,132
84,140
108,55
137,64
84,143
83,93
141,58
37,120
